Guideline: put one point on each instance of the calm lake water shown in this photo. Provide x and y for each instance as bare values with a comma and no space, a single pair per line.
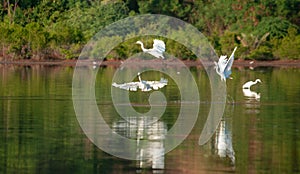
39,131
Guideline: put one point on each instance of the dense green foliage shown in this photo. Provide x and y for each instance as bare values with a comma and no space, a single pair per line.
42,29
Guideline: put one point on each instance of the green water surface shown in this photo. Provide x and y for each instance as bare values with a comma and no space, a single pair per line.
39,132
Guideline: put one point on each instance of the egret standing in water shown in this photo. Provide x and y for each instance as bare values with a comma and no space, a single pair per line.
248,85
158,49
95,64
223,67
251,94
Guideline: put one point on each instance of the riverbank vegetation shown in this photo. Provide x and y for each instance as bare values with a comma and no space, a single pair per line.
58,29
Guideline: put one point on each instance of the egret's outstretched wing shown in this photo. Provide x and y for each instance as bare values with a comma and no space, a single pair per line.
159,45
230,60
143,85
158,84
131,86
227,70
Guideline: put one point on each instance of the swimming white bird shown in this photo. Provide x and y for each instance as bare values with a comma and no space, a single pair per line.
223,67
158,49
248,85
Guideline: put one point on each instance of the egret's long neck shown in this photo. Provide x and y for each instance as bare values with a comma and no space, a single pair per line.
142,46
218,72
139,78
256,81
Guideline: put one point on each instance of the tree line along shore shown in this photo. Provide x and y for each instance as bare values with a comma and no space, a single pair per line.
58,29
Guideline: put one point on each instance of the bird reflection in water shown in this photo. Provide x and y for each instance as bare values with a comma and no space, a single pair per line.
149,137
223,141
252,101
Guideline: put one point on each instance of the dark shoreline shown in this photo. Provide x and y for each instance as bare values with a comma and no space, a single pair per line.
117,63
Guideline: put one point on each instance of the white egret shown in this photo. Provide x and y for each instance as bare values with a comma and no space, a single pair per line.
251,94
248,85
95,64
158,49
143,85
147,85
223,67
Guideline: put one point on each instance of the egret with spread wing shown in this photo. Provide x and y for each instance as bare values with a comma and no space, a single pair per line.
158,49
143,85
223,67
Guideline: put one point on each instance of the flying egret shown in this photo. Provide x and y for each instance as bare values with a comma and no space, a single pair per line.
223,67
248,85
158,49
